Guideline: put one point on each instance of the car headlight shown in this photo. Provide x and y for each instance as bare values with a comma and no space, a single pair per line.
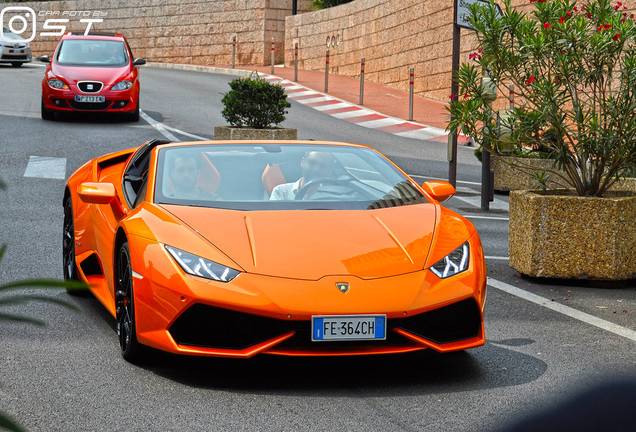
58,84
453,263
123,85
197,266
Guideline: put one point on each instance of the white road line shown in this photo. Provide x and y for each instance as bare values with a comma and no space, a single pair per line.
46,167
180,132
496,258
159,126
475,201
437,178
565,310
469,216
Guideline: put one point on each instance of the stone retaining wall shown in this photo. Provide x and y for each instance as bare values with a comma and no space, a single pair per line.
173,31
392,35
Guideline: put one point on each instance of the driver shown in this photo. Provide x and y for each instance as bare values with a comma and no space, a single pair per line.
184,173
314,165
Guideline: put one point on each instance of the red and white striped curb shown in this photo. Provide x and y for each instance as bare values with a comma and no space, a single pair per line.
352,113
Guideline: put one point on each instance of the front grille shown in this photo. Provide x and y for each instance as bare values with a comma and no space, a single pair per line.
90,86
458,321
95,106
208,326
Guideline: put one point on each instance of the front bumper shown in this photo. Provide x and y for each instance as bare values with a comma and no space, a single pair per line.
114,101
263,314
15,55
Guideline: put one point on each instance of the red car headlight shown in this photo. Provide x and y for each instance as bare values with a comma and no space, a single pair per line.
58,84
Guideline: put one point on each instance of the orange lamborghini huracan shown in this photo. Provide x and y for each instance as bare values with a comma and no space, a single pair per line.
299,248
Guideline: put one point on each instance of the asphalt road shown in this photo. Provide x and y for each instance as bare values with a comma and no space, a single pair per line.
70,375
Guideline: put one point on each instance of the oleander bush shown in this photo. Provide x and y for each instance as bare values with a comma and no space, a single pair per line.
573,67
255,103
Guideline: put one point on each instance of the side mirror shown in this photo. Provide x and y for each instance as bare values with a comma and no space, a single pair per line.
139,62
45,59
96,193
440,190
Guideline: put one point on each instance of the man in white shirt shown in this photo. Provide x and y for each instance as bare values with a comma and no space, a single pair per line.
314,165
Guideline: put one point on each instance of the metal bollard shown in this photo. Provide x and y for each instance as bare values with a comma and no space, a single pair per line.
361,81
512,97
233,49
327,71
272,67
296,61
411,95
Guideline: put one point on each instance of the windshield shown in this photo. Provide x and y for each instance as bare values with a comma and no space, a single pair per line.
92,52
7,34
280,176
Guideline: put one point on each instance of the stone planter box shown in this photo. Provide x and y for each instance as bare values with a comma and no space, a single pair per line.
559,235
245,133
509,177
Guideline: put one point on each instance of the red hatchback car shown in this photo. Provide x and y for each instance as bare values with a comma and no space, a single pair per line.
94,72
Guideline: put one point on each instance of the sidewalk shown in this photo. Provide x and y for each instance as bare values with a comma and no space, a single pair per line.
377,97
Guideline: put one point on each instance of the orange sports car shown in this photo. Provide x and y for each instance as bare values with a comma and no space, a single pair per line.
298,248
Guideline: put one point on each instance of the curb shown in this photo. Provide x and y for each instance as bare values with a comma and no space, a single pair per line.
329,105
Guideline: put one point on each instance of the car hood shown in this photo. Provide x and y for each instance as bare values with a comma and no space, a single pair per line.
106,75
310,244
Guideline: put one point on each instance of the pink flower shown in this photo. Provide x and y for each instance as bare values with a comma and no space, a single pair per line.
472,56
608,26
589,15
547,25
530,80
617,36
452,96
466,96
562,20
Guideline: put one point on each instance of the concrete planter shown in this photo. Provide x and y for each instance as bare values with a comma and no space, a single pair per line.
245,133
516,173
559,235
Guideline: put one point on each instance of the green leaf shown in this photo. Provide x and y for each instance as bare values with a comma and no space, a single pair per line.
8,424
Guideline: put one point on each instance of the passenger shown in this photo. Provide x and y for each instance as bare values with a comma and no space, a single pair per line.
184,174
314,165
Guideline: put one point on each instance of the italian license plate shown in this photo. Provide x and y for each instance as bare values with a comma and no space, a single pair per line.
348,327
82,98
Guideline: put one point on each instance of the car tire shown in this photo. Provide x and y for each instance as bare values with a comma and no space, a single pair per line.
16,64
47,114
134,115
68,249
131,349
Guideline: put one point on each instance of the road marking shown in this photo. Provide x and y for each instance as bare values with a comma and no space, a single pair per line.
496,258
469,216
180,132
565,310
475,201
46,167
159,126
443,179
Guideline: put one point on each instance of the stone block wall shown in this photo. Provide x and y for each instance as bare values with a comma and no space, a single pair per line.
392,36
173,31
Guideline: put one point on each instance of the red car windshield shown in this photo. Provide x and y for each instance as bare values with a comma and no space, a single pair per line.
92,52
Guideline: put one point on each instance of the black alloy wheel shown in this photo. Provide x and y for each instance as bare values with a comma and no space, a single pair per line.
68,248
131,349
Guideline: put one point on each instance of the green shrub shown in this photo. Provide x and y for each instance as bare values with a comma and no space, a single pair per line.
254,102
324,4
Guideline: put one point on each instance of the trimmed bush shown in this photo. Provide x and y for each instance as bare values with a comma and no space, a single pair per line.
255,103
